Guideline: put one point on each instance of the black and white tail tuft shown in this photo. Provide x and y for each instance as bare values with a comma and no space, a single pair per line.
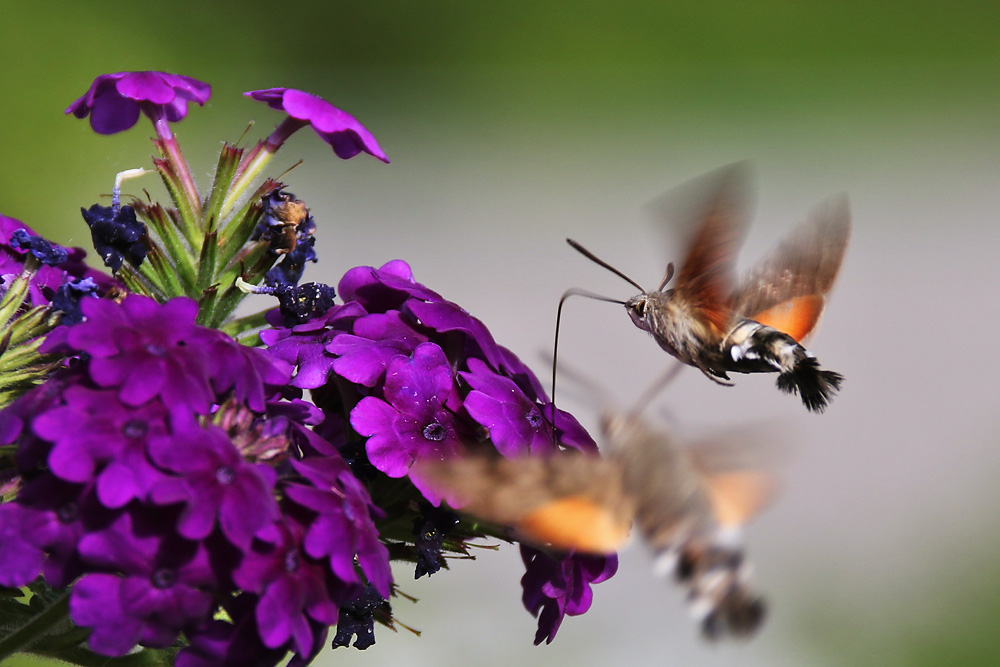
813,384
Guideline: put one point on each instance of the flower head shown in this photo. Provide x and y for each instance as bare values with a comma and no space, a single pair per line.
338,128
557,588
114,101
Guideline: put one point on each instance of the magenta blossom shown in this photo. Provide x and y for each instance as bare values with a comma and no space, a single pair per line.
338,128
114,101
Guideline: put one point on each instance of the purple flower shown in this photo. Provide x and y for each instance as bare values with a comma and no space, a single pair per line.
22,559
338,128
214,484
148,350
556,588
343,530
413,421
114,101
516,423
385,288
295,591
13,251
95,437
304,345
363,356
235,643
154,588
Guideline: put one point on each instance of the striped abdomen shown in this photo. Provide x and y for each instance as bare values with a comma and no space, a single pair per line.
752,347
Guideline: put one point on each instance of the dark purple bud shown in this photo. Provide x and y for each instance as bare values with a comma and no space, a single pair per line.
117,235
46,252
357,619
67,299
430,530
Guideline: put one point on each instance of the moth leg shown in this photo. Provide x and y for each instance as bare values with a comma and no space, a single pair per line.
715,376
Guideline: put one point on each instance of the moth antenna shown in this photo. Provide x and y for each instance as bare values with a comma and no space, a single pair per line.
667,277
597,260
573,291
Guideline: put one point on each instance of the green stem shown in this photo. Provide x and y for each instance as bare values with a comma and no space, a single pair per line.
35,628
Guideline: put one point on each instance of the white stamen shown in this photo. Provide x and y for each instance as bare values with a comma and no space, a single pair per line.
120,178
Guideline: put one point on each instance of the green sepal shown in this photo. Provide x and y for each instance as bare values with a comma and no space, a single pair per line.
175,250
207,262
237,232
240,327
225,172
188,219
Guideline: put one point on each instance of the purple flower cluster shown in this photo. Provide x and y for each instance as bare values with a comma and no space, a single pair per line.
58,265
145,478
175,481
420,378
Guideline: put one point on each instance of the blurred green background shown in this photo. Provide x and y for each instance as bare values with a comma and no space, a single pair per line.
513,125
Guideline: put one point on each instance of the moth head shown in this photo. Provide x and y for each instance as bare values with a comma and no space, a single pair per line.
638,307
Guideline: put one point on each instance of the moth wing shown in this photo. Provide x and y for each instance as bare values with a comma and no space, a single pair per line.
572,502
659,475
787,289
739,472
705,279
740,495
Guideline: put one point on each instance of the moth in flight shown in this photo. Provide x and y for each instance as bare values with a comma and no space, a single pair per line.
688,503
708,321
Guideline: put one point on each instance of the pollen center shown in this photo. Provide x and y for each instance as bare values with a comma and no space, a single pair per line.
225,475
435,431
164,577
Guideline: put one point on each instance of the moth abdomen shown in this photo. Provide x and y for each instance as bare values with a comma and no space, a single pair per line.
752,347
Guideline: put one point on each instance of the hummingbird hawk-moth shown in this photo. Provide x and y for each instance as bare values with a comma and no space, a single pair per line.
688,503
707,321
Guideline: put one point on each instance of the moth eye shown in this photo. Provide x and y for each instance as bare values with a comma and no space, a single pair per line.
640,309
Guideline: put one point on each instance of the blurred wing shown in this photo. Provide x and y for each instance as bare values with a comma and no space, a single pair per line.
705,278
573,502
739,471
667,488
787,289
739,496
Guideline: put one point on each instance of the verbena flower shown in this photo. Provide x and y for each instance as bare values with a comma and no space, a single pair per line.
338,128
555,588
137,482
418,377
229,502
114,101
